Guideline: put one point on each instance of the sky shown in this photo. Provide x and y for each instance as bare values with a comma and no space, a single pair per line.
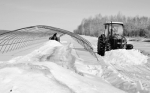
64,14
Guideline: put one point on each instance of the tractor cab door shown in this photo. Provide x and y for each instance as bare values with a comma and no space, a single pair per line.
107,30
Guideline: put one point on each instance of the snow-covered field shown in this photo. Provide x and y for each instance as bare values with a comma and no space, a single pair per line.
66,67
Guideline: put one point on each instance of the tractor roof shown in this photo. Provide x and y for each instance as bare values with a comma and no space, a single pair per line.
120,23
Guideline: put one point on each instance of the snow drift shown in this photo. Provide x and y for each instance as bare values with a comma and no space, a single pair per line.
124,69
50,69
128,57
131,69
55,67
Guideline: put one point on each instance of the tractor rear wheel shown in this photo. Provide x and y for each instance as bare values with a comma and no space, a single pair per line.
101,45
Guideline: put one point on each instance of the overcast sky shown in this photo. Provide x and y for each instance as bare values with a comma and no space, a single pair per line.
65,14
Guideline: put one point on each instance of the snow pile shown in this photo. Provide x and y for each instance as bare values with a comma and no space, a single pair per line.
50,69
127,68
124,69
53,52
125,57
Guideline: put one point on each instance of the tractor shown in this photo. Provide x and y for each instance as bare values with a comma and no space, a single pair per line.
112,38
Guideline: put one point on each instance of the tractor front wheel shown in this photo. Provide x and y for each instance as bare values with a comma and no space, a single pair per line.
129,46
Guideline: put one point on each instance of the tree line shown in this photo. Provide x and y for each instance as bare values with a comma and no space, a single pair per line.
138,26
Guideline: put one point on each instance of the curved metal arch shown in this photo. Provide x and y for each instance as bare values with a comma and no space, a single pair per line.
20,38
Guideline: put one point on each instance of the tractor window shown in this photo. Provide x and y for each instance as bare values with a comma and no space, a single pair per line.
117,29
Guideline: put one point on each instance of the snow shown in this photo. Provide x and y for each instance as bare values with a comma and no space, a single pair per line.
50,69
61,68
122,56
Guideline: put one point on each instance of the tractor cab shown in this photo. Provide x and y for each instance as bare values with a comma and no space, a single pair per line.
113,28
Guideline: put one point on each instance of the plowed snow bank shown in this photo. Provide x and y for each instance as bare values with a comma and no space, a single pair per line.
125,57
127,68
124,69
